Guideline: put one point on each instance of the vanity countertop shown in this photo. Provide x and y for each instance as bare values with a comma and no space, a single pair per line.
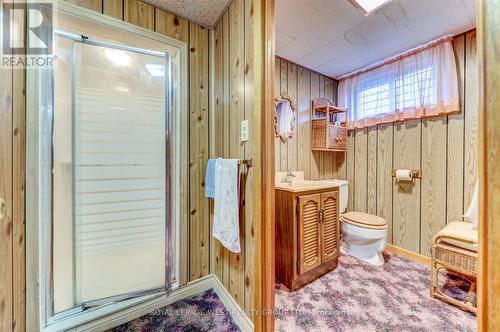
304,185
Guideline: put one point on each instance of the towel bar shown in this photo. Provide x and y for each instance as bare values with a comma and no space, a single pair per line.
247,162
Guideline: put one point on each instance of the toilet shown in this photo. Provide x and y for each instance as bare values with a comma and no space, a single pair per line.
364,235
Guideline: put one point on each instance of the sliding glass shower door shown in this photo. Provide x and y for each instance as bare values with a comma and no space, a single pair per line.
110,173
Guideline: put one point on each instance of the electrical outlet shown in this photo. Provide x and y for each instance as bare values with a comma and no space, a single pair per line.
244,132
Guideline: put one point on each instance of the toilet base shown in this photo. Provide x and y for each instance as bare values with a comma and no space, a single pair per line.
377,259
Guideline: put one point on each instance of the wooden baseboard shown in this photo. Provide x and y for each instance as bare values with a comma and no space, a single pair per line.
424,260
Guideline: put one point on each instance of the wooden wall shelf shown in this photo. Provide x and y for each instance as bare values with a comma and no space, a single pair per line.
329,126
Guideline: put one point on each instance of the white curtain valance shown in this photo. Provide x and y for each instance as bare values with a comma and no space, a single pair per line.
420,83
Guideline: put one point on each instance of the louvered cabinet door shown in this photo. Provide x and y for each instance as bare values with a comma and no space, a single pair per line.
329,226
309,232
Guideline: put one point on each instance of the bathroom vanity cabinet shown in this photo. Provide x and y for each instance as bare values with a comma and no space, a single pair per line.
307,235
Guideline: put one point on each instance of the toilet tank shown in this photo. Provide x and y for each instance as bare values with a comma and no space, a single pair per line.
343,194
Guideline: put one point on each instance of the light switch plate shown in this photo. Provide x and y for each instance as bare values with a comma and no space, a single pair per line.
244,132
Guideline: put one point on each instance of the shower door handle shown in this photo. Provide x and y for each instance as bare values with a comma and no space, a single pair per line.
3,208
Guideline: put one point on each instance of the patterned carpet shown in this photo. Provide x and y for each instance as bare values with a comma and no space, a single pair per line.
202,312
361,297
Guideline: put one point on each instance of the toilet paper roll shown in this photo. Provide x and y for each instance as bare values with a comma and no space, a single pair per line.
404,175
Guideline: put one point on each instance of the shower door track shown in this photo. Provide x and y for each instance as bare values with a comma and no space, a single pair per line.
159,291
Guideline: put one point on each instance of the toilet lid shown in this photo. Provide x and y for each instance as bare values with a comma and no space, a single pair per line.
364,220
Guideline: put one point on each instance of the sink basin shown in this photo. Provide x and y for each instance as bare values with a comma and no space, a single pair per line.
304,185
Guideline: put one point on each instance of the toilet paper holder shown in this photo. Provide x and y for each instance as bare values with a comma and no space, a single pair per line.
415,173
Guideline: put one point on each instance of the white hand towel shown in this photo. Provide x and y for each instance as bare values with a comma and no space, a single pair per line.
226,205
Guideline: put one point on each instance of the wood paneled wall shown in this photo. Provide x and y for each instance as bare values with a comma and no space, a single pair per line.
303,85
12,230
12,190
233,103
444,148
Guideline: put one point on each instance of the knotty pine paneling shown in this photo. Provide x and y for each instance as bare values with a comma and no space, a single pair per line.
113,8
139,13
249,266
216,136
237,114
303,85
12,191
95,5
198,152
6,223
233,89
444,148
227,128
171,25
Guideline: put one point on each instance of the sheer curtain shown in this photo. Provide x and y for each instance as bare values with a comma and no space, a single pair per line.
420,83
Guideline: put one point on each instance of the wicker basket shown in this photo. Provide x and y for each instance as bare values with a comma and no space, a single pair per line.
453,259
326,135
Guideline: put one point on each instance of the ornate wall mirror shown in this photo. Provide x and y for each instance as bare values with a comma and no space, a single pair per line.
284,117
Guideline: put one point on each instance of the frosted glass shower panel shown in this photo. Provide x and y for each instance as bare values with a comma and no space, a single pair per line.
119,149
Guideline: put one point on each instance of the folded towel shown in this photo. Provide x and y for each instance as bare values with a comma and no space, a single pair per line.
209,179
226,206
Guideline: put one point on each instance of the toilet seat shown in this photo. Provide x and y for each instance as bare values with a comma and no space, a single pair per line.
363,220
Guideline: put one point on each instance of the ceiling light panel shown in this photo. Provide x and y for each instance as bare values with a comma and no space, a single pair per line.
369,6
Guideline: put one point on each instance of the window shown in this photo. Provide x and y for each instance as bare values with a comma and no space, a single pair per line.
416,84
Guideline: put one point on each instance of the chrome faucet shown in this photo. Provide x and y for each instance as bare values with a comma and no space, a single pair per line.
288,177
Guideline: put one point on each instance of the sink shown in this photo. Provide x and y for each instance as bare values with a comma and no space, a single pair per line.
305,185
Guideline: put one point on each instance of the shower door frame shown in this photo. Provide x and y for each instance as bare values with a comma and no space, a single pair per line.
84,40
37,292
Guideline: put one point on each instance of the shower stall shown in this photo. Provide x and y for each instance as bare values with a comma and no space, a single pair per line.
106,179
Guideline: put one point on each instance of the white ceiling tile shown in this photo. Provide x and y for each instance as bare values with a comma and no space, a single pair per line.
282,40
294,16
295,50
337,39
470,5
331,8
317,57
318,35
444,17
